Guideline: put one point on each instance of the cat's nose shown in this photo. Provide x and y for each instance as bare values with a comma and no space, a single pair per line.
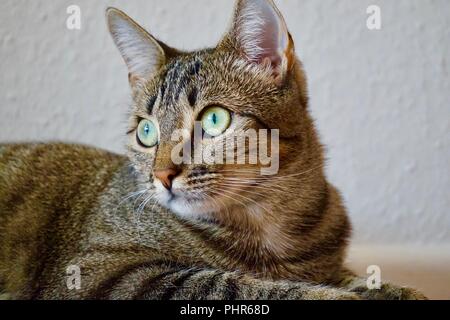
166,176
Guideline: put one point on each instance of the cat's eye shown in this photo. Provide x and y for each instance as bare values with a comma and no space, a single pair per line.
216,120
147,133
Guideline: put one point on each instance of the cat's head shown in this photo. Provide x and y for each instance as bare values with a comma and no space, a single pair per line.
250,83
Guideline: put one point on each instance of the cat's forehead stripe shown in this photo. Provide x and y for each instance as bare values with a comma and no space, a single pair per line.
177,78
192,96
151,103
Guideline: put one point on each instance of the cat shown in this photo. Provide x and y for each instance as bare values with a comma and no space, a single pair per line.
142,227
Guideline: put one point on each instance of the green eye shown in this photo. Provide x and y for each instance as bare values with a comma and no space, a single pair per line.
147,133
216,120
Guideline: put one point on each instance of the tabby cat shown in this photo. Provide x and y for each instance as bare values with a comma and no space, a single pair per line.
144,227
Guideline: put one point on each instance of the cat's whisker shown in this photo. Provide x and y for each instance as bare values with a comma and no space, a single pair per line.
227,196
270,189
267,183
232,193
215,202
127,197
155,203
142,207
239,170
223,204
131,195
253,185
136,200
138,215
238,188
277,177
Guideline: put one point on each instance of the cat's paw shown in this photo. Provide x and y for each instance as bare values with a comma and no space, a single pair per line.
392,292
387,291
411,294
321,293
5,296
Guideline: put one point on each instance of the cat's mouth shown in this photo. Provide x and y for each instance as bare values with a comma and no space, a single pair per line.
171,196
202,201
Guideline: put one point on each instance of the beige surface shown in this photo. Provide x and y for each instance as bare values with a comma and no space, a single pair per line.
424,268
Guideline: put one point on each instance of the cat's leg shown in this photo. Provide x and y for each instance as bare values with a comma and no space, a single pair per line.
166,282
388,291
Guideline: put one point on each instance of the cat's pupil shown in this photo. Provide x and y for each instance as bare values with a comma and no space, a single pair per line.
214,118
146,129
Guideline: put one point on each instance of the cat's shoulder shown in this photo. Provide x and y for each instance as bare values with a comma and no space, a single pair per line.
54,151
56,159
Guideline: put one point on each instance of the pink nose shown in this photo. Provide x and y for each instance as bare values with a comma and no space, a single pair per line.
166,176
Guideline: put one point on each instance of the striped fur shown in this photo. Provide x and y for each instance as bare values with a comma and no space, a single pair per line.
67,205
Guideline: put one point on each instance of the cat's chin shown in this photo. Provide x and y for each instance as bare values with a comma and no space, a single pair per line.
186,208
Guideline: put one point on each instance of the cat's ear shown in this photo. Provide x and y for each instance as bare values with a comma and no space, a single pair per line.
143,54
260,33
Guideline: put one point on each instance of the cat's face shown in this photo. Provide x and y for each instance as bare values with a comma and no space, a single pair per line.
188,104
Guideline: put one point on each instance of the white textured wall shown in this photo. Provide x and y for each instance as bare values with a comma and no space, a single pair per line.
381,98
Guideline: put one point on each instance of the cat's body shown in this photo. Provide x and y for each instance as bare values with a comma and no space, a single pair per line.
65,205
103,232
144,226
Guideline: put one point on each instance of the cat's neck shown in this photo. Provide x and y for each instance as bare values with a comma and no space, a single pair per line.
298,237
268,234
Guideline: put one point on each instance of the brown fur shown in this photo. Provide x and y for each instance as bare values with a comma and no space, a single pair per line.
265,237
